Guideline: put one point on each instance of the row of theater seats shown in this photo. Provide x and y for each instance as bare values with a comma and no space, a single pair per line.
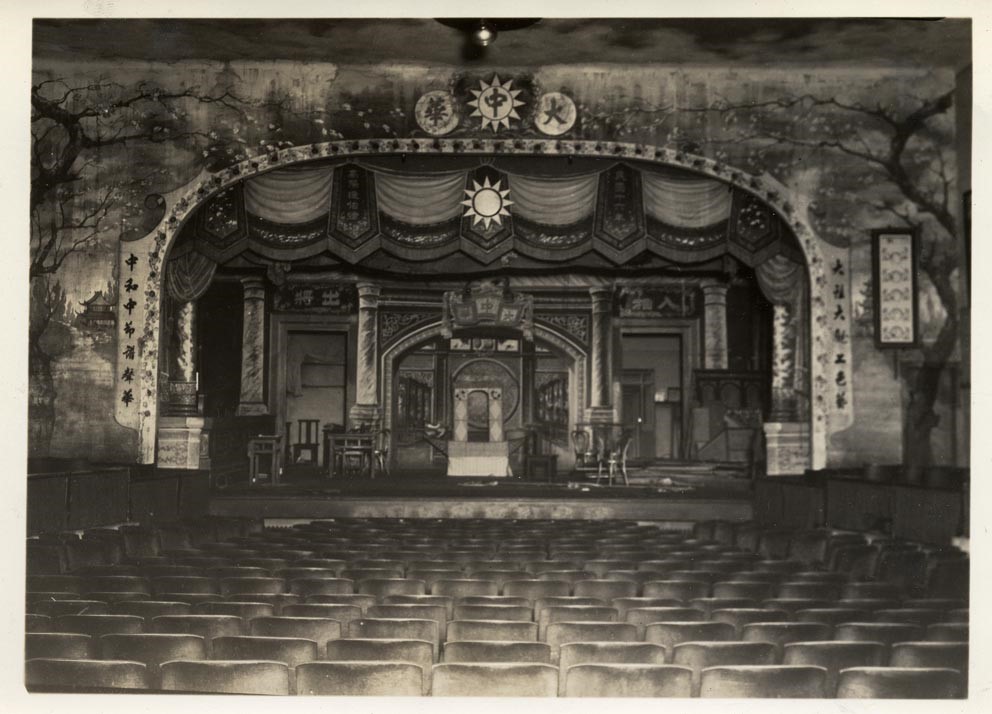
605,608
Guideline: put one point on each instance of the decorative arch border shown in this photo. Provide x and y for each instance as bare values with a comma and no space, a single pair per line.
423,332
183,201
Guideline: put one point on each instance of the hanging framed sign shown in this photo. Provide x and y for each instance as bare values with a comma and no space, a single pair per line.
894,266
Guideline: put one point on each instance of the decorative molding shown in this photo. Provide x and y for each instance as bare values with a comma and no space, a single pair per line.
574,324
395,322
182,202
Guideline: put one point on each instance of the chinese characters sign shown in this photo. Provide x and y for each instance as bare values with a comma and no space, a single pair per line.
333,298
130,328
839,368
894,262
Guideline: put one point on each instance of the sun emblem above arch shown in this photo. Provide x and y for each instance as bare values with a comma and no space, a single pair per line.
496,103
486,203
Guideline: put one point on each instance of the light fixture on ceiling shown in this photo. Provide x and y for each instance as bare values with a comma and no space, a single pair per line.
484,34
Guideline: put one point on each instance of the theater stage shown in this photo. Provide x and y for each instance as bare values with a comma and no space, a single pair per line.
657,496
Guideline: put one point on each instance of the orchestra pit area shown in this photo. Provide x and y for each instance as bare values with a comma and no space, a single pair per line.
367,606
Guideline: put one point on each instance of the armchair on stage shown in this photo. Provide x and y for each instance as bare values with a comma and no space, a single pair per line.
602,448
479,458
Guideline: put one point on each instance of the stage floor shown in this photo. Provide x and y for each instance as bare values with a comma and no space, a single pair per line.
692,497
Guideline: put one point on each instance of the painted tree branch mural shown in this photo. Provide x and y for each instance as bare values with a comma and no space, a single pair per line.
896,156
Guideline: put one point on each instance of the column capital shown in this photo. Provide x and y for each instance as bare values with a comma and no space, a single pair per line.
368,291
714,289
254,288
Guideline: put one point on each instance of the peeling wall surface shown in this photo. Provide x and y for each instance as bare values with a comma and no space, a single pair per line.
823,135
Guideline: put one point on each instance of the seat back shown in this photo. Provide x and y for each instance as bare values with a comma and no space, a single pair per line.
57,645
494,612
496,679
207,626
576,653
561,633
350,679
67,675
697,656
670,634
469,652
683,590
536,589
418,652
952,655
97,625
884,632
781,633
381,587
462,587
606,589
152,649
764,681
492,631
318,629
395,629
900,683
626,680
947,632
834,656
226,677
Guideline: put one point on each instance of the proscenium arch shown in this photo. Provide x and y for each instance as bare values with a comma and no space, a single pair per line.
182,202
420,334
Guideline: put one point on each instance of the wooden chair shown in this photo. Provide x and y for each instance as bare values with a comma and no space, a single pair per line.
380,453
307,440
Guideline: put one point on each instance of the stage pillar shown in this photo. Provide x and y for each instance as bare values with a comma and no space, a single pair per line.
783,365
365,411
600,358
788,448
715,325
185,359
252,400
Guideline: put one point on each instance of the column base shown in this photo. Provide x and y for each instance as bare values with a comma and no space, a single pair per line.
365,415
253,409
787,448
184,443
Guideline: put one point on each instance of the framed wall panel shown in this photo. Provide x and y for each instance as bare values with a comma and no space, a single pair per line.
894,266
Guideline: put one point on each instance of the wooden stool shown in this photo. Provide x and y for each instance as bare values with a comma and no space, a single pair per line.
265,449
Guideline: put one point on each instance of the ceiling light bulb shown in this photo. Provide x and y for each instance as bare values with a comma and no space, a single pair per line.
484,35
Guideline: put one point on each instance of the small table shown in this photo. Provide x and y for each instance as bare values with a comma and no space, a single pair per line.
337,445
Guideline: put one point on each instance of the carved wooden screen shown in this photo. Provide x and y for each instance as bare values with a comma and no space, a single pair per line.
551,410
413,403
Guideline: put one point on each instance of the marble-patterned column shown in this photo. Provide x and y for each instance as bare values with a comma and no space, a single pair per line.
783,408
600,386
252,401
495,414
715,326
366,408
185,327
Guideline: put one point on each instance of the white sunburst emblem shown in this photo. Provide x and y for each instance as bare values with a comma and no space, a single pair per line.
496,103
486,203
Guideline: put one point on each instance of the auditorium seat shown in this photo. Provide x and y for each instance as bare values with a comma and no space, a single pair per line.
225,571
152,649
740,616
183,584
57,608
858,561
834,656
438,613
432,575
624,604
245,610
871,590
495,680
358,600
535,589
38,623
381,587
833,615
573,613
58,645
602,566
951,655
764,681
885,632
782,633
543,566
565,600
697,656
561,633
710,604
150,608
352,679
949,578
814,591
605,589
207,626
947,632
961,615
494,612
467,651
445,601
743,589
66,675
626,680
242,585
395,629
288,650
781,567
870,604
900,683
166,570
684,590
492,630
54,583
226,677
96,625
640,617
671,634
116,583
